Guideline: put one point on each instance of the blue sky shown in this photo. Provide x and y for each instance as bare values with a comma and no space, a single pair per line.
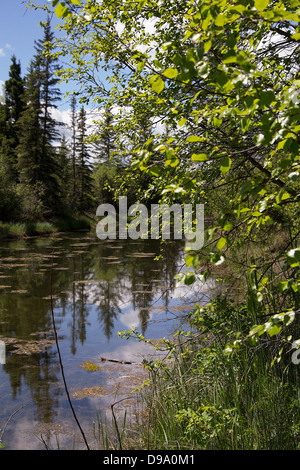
19,28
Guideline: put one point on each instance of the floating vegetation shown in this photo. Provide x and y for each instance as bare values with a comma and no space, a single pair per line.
90,366
87,281
142,255
20,291
27,347
142,292
183,307
91,392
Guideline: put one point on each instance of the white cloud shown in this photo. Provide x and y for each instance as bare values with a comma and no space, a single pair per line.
4,49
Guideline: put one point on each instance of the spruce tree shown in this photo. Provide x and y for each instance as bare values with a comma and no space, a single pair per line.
9,114
83,167
49,92
105,153
73,131
14,90
105,139
37,157
30,145
49,96
64,158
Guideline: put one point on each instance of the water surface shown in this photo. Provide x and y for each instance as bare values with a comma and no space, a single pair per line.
98,288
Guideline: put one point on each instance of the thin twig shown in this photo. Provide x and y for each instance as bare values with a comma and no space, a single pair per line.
115,420
60,361
2,433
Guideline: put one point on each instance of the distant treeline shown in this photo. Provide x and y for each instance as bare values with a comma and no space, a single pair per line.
43,173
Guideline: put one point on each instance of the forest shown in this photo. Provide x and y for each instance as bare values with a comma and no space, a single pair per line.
53,175
200,105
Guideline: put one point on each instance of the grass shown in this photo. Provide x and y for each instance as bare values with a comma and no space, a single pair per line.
204,399
10,230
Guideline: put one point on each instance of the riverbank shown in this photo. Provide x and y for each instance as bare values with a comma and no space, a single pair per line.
25,229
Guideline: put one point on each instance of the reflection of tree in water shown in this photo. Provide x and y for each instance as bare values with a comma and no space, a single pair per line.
108,306
119,274
25,317
78,303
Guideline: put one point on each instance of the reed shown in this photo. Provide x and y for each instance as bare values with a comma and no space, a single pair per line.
205,399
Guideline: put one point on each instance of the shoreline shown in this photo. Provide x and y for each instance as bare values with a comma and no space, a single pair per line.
25,230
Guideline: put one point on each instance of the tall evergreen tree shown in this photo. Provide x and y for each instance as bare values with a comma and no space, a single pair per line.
105,139
83,167
37,157
64,158
49,96
9,115
14,90
30,144
49,92
73,130
105,153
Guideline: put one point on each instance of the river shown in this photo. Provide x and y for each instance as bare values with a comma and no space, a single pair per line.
98,289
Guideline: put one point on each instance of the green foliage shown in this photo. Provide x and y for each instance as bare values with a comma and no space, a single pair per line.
219,82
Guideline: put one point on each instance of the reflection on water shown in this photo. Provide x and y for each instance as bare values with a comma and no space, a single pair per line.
99,288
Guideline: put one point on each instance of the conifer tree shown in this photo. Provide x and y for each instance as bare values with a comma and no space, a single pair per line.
64,158
105,152
37,158
73,131
30,144
49,96
9,115
105,139
83,167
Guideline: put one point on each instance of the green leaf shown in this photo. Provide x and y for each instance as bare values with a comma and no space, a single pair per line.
170,73
225,165
220,20
199,157
155,170
273,330
257,330
61,11
221,243
267,97
189,259
189,279
194,138
157,84
261,5
76,2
